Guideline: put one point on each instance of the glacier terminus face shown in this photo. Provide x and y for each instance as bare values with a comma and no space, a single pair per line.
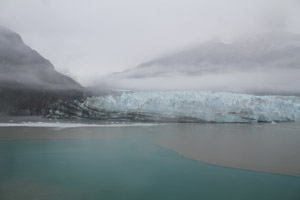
190,106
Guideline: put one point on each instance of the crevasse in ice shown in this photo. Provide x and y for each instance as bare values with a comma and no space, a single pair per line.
202,106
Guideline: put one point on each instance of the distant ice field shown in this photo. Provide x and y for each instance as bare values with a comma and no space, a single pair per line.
198,106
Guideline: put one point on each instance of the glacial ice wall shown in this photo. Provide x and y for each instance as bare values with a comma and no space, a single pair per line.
195,106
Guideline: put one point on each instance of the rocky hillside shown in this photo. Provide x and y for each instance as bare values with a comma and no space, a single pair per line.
28,81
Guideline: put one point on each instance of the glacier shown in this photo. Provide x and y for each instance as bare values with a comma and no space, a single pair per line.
184,106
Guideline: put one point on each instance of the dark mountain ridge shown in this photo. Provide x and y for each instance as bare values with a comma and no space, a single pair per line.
28,81
20,66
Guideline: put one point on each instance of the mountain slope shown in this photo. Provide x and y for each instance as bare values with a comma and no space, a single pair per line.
20,66
28,81
273,50
264,63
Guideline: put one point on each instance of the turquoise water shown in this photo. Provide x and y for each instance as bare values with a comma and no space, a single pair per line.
131,167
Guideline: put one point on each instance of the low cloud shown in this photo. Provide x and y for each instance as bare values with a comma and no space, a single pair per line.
279,81
96,38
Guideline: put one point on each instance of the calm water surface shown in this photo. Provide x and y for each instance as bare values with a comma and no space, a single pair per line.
150,162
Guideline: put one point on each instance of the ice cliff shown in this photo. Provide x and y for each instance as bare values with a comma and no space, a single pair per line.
182,106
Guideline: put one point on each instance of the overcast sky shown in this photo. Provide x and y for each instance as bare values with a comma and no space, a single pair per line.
89,38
